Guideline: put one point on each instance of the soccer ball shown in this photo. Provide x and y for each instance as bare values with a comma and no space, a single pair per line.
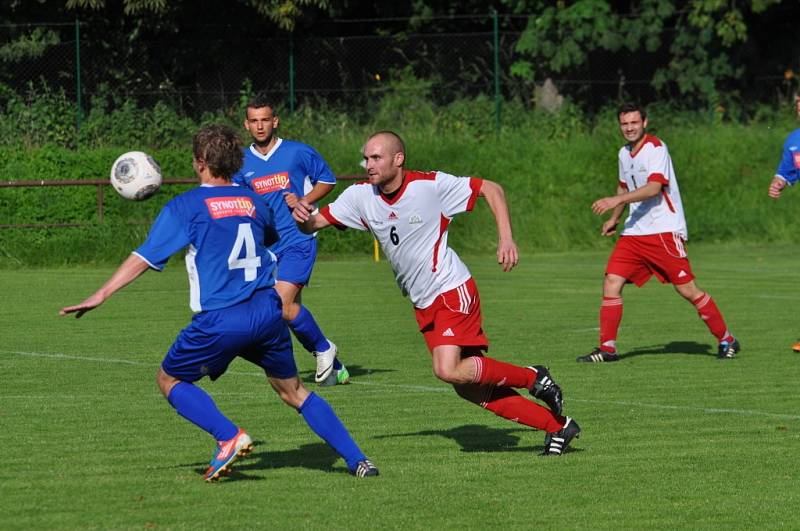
135,175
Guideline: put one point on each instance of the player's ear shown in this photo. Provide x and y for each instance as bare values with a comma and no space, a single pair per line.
276,121
399,158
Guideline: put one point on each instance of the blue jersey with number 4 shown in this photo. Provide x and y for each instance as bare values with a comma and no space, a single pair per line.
223,228
288,167
789,167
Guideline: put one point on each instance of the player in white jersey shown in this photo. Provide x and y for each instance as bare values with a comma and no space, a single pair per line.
652,240
409,212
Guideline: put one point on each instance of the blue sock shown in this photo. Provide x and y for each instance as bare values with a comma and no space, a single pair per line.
307,331
194,404
323,421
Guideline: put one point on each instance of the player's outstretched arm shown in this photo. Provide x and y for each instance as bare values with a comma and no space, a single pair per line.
776,186
306,221
647,191
507,252
610,226
316,193
124,275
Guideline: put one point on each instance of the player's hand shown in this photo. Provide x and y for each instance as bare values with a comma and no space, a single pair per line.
609,228
605,204
291,199
507,254
79,309
776,187
302,210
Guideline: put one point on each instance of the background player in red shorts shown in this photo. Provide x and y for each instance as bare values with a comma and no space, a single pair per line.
652,241
409,212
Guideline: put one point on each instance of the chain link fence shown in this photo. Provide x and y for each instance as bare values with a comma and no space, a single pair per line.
461,56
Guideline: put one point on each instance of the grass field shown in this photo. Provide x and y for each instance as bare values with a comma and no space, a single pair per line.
672,437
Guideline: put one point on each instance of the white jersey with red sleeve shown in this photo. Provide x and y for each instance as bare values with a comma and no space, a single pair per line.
411,227
662,213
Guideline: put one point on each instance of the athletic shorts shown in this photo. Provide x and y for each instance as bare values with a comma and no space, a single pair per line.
253,330
454,318
296,262
637,258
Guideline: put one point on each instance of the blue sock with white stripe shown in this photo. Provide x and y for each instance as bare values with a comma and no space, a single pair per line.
323,421
196,406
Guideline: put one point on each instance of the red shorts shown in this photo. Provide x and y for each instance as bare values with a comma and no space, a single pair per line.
454,318
637,258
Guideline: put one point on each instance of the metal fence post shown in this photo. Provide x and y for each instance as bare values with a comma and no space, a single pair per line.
79,113
497,100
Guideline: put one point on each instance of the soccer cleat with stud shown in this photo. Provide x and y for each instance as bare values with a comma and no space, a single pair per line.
365,469
796,347
547,390
556,443
598,356
728,350
325,362
227,452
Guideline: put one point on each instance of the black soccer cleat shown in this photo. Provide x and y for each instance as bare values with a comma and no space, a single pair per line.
728,350
598,356
364,469
556,443
546,390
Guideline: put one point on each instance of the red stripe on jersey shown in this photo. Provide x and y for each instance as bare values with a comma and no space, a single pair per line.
658,178
623,185
666,198
443,224
475,185
325,212
409,176
648,139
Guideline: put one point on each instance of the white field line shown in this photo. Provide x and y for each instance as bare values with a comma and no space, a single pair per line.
423,388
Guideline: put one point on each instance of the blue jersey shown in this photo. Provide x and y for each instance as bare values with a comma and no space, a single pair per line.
789,167
289,167
223,227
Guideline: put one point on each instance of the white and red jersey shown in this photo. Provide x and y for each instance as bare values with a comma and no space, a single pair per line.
662,213
411,227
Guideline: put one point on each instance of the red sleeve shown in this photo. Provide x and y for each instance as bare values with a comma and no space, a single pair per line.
325,212
475,185
658,178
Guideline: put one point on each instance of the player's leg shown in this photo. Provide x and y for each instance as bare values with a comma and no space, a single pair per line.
202,349
458,366
624,265
509,404
323,421
295,265
709,313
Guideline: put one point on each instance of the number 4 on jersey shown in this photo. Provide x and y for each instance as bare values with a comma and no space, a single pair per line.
250,262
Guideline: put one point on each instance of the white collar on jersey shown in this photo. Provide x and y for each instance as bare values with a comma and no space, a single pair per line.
266,157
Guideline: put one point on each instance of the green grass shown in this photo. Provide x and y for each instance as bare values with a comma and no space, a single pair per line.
672,437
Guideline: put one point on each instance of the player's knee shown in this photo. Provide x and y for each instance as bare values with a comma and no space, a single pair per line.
165,382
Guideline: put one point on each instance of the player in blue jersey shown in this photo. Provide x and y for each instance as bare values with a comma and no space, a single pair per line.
231,276
282,172
788,172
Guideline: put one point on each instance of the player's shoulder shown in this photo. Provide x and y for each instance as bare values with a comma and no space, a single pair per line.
296,146
793,139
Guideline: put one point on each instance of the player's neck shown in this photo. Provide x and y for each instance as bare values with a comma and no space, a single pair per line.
392,185
211,180
636,145
266,147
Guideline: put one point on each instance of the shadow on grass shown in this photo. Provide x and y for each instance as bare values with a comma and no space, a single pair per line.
478,438
354,370
674,347
314,456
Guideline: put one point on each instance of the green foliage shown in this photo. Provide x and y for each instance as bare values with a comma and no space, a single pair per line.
702,38
28,46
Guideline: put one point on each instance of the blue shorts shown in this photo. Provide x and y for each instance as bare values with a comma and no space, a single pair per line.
295,262
253,330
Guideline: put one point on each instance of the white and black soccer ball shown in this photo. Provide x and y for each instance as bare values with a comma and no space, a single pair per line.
135,175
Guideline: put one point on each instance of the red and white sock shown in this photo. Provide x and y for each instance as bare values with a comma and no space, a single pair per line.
610,317
507,403
711,316
489,371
